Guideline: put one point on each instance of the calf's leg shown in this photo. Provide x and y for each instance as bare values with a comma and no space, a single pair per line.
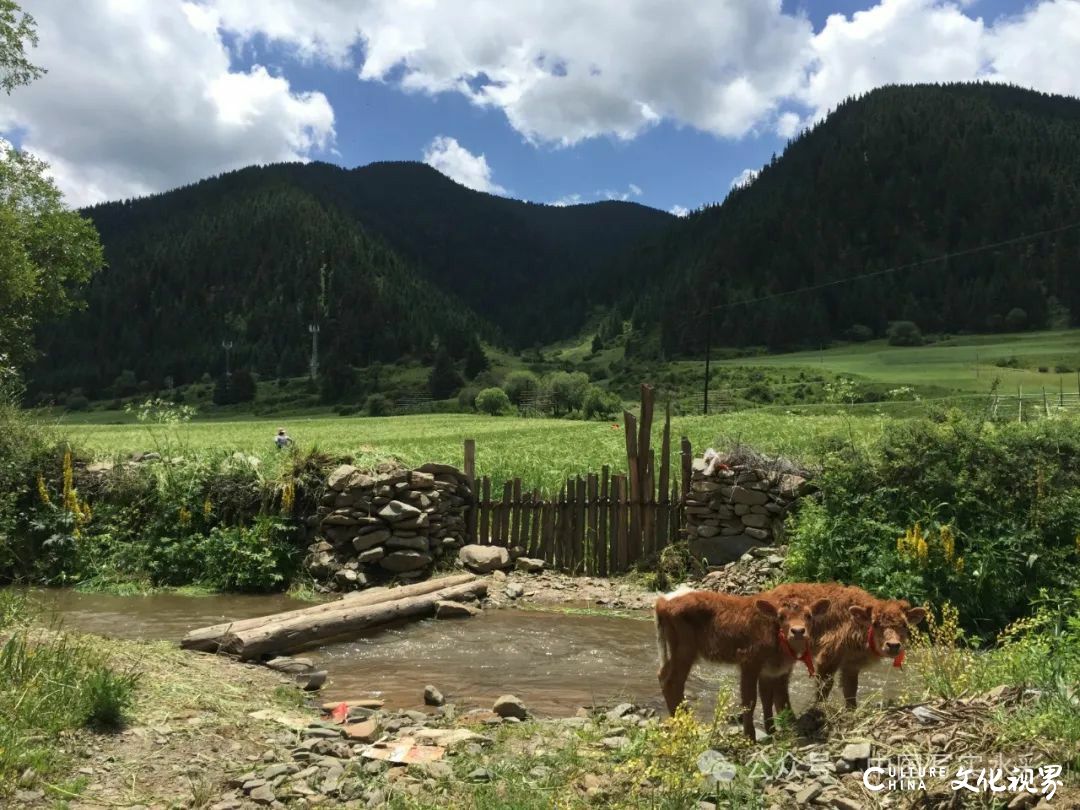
849,682
748,682
673,675
767,692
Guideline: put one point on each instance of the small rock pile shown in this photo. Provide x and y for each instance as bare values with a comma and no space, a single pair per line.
753,572
735,505
394,522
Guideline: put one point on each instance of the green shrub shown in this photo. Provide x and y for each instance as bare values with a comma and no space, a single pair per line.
954,509
521,386
77,402
600,404
108,696
378,405
904,333
493,401
249,558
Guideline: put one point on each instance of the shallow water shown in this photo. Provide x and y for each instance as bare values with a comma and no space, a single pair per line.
555,662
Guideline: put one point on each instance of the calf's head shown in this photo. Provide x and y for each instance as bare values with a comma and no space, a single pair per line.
888,622
794,620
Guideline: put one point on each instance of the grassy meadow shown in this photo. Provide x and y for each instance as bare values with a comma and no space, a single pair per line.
967,364
540,451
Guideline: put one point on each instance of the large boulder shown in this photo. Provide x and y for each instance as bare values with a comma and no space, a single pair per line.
340,477
484,559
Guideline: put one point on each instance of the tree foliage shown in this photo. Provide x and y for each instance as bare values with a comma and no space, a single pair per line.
894,179
17,30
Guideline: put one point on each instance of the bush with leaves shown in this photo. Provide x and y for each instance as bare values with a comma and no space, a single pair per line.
493,402
600,403
904,333
949,509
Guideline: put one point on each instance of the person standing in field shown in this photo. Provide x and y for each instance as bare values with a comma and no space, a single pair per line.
282,440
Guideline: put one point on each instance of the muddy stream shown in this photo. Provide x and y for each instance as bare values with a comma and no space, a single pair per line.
554,661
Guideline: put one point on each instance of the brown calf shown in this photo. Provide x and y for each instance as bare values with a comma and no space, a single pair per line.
761,636
857,630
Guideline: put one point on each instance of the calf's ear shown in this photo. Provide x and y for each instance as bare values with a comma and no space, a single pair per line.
915,615
766,607
860,613
819,607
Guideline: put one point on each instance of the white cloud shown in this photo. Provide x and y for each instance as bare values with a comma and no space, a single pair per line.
568,199
632,190
679,211
788,124
563,71
745,178
140,97
459,164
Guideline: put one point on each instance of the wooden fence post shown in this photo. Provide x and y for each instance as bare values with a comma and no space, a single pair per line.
470,475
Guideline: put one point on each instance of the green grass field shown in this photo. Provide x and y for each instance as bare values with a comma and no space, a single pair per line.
963,364
540,451
544,451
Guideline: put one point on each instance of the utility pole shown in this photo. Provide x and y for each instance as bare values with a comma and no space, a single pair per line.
227,346
313,328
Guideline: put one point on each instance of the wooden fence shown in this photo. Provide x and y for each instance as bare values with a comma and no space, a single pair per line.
602,523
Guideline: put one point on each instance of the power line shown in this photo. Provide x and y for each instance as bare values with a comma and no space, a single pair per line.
889,270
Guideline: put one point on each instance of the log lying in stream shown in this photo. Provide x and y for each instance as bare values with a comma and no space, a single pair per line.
229,636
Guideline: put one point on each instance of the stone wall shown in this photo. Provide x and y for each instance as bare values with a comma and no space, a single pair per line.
391,522
736,504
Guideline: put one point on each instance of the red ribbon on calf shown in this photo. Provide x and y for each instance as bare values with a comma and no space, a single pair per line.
897,662
806,658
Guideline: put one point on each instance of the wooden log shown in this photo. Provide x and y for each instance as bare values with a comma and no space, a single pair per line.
622,521
633,471
290,635
535,508
208,639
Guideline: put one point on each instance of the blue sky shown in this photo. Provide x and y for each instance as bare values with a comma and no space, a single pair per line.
664,103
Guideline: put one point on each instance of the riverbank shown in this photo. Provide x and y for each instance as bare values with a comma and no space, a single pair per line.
204,731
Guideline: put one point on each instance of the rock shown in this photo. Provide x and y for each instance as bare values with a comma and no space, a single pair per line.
529,565
28,797
311,681
844,803
1022,801
432,696
340,477
372,555
365,731
498,576
749,497
719,550
620,711
400,561
454,610
397,511
615,743
481,775
856,753
275,771
757,534
366,541
484,559
939,740
510,706
263,794
757,521
808,794
290,665
515,590
413,543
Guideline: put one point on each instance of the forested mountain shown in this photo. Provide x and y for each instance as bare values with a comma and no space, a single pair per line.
393,257
389,259
898,175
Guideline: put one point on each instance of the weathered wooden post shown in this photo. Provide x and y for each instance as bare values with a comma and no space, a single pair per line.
470,474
